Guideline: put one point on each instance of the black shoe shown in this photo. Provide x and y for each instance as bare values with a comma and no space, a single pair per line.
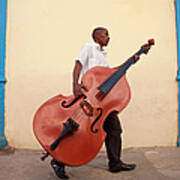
122,167
59,169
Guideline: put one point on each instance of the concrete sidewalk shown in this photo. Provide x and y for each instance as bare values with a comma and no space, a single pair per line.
160,163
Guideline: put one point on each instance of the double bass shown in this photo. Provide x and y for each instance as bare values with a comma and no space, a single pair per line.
71,129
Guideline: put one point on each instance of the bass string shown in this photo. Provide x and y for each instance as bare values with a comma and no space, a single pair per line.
112,80
117,75
110,83
78,114
106,83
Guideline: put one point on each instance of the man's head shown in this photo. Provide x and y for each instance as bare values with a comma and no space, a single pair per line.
100,35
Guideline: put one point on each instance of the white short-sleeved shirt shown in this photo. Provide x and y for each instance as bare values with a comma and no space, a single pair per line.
90,56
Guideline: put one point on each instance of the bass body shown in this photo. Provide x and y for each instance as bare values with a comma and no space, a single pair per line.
80,147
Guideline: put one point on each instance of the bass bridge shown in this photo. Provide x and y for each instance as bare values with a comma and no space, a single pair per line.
87,108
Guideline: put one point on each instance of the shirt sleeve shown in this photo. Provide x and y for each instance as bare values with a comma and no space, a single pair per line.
83,56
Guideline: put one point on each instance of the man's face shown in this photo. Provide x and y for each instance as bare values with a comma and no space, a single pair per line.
103,38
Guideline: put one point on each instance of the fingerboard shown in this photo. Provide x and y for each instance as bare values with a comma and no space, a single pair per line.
113,79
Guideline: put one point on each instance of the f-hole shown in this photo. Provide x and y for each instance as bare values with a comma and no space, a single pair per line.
96,120
64,105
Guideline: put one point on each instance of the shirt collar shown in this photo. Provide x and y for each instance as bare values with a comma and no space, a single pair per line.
98,47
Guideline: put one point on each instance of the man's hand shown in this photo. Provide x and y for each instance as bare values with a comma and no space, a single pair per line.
77,89
136,58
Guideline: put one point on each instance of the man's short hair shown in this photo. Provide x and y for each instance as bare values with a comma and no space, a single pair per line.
97,30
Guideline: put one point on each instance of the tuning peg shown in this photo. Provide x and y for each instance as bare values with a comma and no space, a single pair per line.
151,41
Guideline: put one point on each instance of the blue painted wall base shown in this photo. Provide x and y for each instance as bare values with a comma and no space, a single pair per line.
178,142
3,10
3,142
177,6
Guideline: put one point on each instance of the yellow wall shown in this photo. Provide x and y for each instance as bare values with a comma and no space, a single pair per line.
44,37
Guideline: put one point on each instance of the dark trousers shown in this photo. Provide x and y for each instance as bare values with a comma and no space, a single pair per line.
113,140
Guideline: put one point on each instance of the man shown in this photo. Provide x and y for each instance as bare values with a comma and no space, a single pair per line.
91,55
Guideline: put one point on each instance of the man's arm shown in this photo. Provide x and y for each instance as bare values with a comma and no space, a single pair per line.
76,73
80,61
